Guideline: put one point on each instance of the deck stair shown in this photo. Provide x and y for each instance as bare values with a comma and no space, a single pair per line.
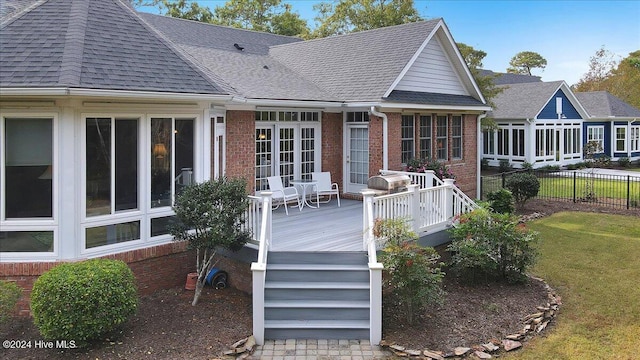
317,295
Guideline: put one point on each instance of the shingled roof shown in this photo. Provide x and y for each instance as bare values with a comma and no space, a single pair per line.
523,101
93,44
601,104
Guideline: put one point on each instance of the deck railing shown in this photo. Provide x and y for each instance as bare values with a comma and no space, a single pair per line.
259,268
375,271
425,180
252,219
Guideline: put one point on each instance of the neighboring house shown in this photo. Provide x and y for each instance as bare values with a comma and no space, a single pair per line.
539,123
106,113
545,123
614,124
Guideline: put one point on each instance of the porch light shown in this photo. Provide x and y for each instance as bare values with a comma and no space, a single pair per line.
159,151
262,136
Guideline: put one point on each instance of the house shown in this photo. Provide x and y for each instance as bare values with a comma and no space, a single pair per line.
614,124
546,123
107,113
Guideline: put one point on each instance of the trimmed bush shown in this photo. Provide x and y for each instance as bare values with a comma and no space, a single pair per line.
487,246
501,201
504,166
624,162
9,295
84,300
523,186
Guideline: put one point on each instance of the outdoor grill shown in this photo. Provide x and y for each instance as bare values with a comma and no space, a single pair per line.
390,184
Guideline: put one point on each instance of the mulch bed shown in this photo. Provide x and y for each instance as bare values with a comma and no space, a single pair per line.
166,326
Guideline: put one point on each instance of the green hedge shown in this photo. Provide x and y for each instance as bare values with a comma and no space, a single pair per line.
82,301
9,295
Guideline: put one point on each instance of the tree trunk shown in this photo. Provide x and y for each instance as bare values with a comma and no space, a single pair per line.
196,295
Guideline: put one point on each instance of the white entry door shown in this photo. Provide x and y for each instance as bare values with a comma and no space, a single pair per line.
356,157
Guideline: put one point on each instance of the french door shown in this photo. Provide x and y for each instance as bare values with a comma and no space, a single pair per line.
356,157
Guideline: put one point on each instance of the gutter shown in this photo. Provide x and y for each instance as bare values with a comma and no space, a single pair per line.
129,94
479,156
385,136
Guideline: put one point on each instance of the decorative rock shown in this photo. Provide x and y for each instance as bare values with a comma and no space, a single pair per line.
397,347
533,316
434,355
514,337
511,345
459,351
482,355
542,326
413,352
490,347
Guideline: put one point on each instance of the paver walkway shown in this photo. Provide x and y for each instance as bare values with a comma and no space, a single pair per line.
319,350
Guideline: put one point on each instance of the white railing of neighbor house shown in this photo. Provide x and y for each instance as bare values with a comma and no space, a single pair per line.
375,271
259,268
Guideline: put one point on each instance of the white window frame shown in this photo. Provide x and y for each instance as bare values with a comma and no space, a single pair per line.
616,149
460,137
32,224
591,132
634,138
441,137
407,144
426,136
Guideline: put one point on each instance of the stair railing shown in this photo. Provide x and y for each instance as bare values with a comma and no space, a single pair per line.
375,270
259,268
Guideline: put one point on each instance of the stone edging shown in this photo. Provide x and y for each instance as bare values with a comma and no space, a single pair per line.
533,324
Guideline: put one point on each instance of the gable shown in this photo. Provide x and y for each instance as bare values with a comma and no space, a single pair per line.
550,111
432,72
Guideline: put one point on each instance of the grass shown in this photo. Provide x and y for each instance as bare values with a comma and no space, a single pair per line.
562,187
593,261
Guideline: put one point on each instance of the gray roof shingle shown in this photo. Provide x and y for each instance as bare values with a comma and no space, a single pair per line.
523,101
251,73
413,97
357,66
601,104
97,44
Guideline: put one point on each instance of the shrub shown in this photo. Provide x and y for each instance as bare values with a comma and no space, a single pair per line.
523,186
9,295
484,164
550,168
82,301
624,162
527,166
441,170
603,161
491,246
504,166
501,201
414,274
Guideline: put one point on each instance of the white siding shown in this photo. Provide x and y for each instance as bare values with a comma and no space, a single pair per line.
432,72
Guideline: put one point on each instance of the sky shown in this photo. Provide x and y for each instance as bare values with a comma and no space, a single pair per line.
566,33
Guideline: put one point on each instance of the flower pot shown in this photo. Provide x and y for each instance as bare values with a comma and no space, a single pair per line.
192,279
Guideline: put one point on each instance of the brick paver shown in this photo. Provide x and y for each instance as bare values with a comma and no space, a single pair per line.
322,349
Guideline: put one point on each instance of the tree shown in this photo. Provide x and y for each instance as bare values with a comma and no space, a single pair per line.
600,66
346,16
209,216
261,15
487,87
524,61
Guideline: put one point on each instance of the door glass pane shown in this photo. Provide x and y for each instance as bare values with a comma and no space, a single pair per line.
308,156
28,168
161,162
286,155
183,174
98,166
126,167
359,156
263,158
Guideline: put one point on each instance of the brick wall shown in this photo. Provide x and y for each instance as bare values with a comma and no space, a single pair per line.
240,161
332,147
395,141
155,268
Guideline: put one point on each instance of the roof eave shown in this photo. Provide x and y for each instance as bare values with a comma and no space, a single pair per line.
130,94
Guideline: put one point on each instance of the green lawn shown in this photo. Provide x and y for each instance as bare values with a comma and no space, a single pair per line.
593,261
562,187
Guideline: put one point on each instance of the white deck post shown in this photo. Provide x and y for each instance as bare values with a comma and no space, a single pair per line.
448,198
415,206
375,302
259,268
367,224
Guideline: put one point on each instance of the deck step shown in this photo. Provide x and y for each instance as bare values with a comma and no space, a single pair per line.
318,257
316,324
316,304
316,285
317,267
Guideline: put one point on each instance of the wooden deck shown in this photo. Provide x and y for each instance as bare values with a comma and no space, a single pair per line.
328,228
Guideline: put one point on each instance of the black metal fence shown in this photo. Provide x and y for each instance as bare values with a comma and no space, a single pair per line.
620,191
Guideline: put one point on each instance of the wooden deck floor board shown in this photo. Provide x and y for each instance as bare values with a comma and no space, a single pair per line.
328,228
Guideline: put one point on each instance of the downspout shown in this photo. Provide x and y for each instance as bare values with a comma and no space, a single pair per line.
479,156
385,136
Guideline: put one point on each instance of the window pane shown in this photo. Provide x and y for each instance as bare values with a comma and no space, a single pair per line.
161,162
441,138
456,137
98,166
160,226
407,133
126,164
308,146
28,169
184,138
263,158
112,234
26,241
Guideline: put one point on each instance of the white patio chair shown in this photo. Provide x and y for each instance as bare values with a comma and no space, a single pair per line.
282,194
325,187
